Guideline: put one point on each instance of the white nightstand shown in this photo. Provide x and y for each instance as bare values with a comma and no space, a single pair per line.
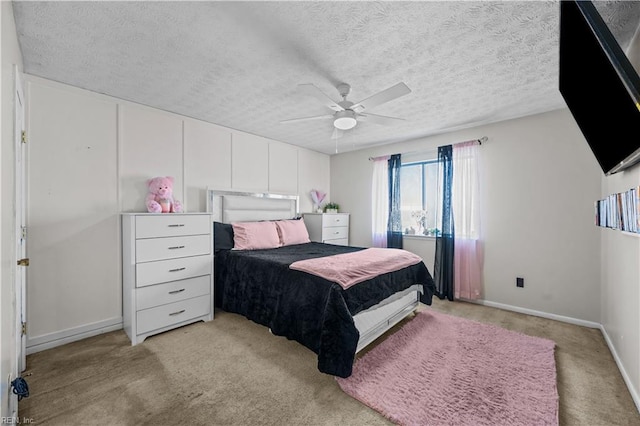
331,228
167,271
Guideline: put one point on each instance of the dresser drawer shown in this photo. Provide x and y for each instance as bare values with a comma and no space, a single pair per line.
335,220
173,313
338,242
172,247
174,291
172,225
172,270
335,233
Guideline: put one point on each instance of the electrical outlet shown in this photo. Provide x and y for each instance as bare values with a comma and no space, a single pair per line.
520,282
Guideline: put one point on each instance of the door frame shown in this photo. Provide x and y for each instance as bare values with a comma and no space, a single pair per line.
20,220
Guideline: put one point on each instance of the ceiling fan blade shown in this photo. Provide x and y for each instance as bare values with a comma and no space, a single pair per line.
380,119
312,90
379,98
297,120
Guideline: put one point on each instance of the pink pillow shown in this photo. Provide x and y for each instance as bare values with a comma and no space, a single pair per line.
255,235
292,232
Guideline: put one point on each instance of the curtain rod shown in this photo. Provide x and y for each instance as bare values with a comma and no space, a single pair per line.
482,139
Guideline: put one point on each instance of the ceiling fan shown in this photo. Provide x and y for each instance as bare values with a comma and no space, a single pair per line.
347,114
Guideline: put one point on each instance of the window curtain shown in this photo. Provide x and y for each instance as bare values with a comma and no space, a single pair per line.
466,210
394,224
380,201
443,267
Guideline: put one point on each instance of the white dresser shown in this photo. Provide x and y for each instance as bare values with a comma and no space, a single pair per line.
331,228
167,271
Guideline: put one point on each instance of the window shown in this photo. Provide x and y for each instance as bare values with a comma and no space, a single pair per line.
418,198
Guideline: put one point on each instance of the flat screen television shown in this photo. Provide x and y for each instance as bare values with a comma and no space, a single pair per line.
600,86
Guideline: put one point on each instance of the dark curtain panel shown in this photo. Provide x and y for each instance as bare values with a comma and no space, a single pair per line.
443,268
394,226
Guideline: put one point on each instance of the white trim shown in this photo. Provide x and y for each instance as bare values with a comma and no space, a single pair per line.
185,202
20,218
631,234
119,150
17,363
625,376
627,380
419,237
59,338
535,313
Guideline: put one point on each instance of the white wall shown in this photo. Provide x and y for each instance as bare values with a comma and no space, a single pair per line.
72,215
313,173
620,301
10,55
90,156
539,181
150,145
207,149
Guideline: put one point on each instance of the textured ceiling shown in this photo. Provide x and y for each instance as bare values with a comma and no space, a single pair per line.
238,64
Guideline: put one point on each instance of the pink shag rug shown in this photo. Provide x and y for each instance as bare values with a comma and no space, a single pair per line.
444,370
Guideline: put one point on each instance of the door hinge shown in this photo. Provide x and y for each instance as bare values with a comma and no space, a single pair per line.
24,328
24,232
24,136
23,262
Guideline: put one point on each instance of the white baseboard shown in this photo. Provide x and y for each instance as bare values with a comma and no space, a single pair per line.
58,338
590,324
535,313
625,376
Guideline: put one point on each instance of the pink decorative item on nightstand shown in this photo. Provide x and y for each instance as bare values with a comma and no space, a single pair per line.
160,196
317,196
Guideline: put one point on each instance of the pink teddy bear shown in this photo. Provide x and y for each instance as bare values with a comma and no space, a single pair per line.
160,197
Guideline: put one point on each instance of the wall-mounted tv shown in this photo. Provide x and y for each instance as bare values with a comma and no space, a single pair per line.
600,86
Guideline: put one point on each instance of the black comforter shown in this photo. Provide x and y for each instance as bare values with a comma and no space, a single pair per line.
311,310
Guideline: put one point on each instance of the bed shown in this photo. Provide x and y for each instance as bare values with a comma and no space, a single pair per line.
317,312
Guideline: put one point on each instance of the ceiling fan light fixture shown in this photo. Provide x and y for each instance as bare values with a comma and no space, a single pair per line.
345,120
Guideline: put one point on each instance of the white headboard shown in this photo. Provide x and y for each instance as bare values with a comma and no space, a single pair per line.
234,206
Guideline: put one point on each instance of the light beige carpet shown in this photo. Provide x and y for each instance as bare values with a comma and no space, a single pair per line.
234,372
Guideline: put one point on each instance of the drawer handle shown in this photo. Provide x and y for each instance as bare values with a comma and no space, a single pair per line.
176,291
177,225
177,269
176,313
175,247
337,233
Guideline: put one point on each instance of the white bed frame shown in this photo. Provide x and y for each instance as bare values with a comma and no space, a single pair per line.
234,206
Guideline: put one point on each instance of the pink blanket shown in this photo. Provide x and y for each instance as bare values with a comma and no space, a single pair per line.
351,268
